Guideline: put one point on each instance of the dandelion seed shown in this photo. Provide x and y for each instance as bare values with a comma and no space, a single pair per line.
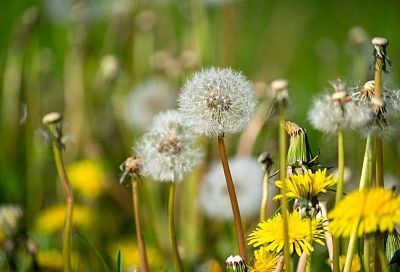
217,101
247,178
367,211
270,235
168,149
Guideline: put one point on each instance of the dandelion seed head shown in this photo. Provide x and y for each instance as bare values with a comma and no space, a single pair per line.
217,101
10,215
247,178
169,149
146,100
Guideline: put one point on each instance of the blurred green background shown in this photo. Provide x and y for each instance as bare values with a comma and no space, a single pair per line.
85,58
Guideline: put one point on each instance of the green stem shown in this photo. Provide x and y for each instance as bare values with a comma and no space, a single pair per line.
378,142
70,205
264,201
350,251
381,253
310,240
368,241
138,224
282,177
171,224
339,194
232,196
366,172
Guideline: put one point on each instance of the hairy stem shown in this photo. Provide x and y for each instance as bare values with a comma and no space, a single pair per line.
171,224
138,224
232,196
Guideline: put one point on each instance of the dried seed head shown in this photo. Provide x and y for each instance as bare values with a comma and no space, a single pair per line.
280,89
293,129
133,164
51,118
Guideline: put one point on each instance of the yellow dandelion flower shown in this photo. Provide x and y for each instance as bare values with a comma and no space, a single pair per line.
308,185
87,177
52,260
270,234
52,219
131,257
355,263
366,211
264,260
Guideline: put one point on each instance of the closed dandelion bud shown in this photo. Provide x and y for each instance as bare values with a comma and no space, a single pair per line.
299,156
217,101
235,264
392,249
280,94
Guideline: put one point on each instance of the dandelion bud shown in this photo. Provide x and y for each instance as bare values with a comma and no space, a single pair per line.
380,44
51,118
393,248
235,264
217,101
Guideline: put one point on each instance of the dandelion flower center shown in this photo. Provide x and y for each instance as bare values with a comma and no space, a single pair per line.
170,146
219,102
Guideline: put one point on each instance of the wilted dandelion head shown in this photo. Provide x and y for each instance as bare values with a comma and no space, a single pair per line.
384,110
264,260
168,149
217,101
366,211
270,234
146,100
331,112
247,178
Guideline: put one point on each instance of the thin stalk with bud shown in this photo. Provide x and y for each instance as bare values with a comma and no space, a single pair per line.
53,121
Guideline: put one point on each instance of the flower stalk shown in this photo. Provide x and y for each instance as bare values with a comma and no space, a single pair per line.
53,123
138,224
339,194
265,160
232,196
380,66
282,176
171,225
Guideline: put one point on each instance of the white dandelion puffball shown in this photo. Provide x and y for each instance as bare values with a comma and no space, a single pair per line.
169,149
146,100
10,215
247,177
328,115
217,101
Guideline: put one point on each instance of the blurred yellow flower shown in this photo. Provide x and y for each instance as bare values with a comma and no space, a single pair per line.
308,185
87,177
365,211
270,234
51,259
52,218
355,263
264,260
130,254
